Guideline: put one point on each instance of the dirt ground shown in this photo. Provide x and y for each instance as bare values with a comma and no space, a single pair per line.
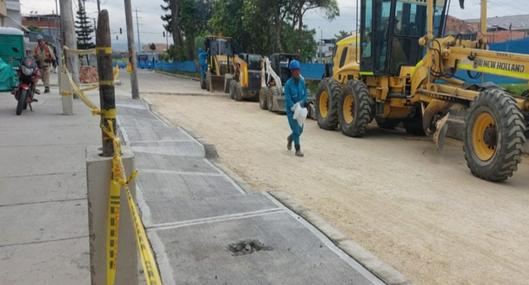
416,209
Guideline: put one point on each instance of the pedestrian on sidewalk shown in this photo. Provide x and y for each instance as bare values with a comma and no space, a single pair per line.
45,57
295,93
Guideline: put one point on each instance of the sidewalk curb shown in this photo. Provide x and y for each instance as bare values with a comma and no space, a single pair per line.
385,272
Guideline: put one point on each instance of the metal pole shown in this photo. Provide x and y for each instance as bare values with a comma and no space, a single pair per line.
138,31
132,51
106,80
98,6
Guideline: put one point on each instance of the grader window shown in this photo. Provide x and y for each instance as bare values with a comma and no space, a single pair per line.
343,57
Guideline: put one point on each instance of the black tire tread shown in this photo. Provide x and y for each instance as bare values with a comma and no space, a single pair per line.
511,126
22,100
364,105
334,89
263,98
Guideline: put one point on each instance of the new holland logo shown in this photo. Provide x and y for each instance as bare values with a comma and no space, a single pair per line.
506,66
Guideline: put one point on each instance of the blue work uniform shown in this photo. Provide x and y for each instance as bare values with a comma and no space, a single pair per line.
295,91
203,61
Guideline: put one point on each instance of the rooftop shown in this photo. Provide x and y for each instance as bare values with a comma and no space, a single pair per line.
518,22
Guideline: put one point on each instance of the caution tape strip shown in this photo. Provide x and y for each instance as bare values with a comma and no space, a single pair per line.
119,181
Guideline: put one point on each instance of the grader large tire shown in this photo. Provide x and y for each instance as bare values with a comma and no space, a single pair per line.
494,136
355,109
329,93
263,98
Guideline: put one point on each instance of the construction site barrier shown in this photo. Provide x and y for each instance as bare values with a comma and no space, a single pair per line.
118,182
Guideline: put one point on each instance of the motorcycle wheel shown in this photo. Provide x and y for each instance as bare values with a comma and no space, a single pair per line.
22,100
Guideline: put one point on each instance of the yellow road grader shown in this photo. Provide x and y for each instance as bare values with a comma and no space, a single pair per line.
401,69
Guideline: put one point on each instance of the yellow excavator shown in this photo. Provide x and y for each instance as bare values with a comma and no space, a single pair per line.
401,68
220,63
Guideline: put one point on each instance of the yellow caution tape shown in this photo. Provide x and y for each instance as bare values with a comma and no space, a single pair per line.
106,50
109,113
106,83
119,181
80,51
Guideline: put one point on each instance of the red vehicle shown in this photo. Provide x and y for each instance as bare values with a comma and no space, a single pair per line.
28,76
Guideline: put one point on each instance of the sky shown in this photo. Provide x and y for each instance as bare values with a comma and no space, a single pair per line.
150,24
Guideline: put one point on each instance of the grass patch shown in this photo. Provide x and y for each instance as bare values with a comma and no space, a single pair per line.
515,89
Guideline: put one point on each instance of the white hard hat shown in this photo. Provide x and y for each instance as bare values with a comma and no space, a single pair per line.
40,37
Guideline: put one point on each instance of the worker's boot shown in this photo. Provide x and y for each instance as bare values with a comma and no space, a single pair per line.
289,143
47,89
298,151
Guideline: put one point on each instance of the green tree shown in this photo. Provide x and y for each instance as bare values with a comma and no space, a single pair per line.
342,35
298,9
83,28
185,20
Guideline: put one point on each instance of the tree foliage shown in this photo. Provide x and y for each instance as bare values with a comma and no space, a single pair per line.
342,35
185,20
83,28
256,26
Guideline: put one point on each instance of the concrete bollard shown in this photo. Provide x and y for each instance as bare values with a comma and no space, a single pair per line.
98,175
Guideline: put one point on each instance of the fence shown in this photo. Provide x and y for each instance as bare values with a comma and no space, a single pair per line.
184,66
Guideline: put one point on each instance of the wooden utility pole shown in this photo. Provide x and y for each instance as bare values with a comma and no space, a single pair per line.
132,51
107,96
68,38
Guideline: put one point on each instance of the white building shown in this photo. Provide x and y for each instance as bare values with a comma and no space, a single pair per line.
12,17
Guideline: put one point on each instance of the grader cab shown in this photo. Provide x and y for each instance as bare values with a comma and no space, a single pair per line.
401,69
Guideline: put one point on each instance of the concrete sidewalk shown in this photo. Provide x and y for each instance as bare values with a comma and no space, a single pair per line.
207,229
43,209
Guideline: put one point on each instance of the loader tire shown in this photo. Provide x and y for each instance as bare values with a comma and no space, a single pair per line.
355,109
388,124
274,91
235,90
413,125
329,93
494,136
208,81
263,98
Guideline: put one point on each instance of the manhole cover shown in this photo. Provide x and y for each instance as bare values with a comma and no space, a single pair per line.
247,247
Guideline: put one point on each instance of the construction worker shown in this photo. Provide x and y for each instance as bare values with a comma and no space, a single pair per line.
203,61
45,57
295,92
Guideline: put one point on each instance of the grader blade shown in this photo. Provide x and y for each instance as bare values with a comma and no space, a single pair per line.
439,137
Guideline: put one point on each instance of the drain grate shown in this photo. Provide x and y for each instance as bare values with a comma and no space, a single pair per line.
245,247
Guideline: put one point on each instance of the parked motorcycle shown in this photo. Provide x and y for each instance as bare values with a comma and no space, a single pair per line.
28,76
